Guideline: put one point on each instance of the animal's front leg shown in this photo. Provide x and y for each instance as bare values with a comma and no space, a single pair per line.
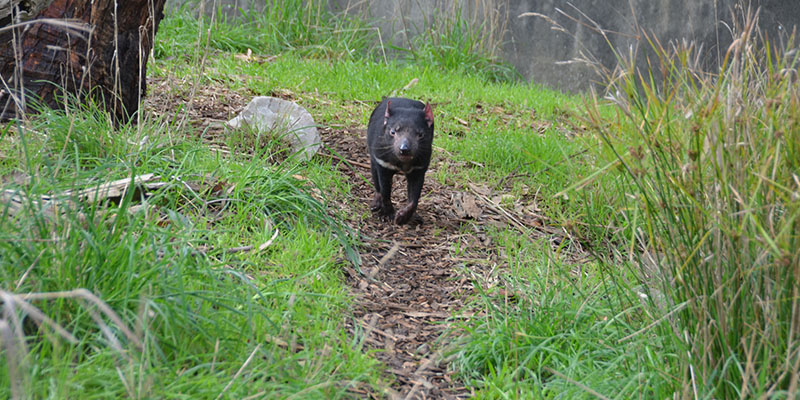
415,181
382,179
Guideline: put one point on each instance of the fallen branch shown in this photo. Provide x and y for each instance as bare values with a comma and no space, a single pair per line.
56,205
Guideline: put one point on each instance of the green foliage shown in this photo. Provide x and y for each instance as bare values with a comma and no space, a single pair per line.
310,27
711,163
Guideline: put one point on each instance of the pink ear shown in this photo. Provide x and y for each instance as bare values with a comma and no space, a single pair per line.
429,114
386,114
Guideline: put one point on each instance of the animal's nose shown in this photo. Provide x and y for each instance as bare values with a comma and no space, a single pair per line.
405,148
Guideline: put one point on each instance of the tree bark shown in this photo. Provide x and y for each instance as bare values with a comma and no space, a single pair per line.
100,54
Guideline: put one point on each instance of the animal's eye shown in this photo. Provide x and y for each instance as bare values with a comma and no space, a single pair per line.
392,132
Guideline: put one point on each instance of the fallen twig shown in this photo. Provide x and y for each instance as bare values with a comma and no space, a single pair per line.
356,163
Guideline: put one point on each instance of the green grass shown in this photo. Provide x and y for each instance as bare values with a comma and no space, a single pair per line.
309,27
555,324
697,170
304,27
455,43
460,43
199,310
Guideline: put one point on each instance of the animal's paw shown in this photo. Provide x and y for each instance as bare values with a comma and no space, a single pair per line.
376,203
384,209
405,214
387,213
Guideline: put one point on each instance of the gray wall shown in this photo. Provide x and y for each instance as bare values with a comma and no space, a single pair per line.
537,51
534,48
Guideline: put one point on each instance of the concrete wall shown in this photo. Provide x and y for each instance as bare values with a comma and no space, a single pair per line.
538,51
534,48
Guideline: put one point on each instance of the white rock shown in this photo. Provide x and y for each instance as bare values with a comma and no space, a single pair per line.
272,114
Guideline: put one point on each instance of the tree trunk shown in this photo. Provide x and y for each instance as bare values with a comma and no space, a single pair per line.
91,50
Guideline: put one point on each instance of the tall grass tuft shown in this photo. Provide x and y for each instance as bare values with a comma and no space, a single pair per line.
306,27
465,39
310,26
713,165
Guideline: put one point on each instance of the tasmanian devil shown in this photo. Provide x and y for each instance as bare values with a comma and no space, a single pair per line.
399,138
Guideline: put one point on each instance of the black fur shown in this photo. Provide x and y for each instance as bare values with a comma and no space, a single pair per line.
401,139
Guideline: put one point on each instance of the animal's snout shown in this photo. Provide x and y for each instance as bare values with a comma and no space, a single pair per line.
404,147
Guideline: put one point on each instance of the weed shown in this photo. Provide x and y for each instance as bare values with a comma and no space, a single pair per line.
711,162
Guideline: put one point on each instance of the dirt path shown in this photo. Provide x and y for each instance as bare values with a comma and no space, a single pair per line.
408,288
